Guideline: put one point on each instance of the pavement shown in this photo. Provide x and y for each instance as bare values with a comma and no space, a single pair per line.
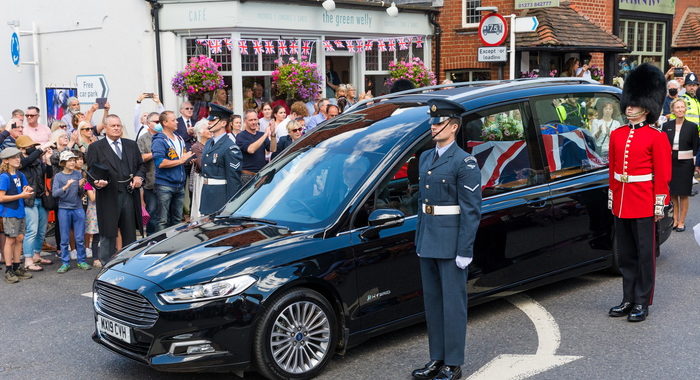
559,331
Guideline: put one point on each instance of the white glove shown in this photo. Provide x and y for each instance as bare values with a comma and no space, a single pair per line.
462,262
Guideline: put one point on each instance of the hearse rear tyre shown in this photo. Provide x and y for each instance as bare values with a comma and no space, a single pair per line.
296,335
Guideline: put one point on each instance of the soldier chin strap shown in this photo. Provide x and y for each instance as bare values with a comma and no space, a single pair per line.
635,114
443,128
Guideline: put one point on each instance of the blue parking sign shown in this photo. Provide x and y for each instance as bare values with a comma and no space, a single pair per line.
14,49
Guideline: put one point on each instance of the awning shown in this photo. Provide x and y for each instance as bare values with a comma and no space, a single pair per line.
688,33
562,29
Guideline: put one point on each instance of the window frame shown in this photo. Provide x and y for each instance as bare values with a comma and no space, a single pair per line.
466,24
634,41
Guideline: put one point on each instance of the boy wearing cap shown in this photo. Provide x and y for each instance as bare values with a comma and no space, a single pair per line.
68,191
13,191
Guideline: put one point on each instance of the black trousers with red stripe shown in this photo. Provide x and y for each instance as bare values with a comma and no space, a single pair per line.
636,245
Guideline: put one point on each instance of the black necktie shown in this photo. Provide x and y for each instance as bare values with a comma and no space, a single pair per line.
117,150
188,124
435,156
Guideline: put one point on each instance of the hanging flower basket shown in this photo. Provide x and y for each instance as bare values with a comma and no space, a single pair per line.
413,70
200,76
298,80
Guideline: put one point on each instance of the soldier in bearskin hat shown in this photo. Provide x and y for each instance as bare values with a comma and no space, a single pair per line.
640,171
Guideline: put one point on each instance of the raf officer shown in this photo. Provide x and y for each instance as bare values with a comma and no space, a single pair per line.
221,163
448,217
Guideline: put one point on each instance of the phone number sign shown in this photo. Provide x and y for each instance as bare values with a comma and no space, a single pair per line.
493,30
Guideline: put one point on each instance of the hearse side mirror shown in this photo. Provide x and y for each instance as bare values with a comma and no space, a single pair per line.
380,219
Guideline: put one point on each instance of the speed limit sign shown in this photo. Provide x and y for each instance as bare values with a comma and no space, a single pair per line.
493,29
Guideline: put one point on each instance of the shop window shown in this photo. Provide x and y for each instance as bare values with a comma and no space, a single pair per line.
468,75
497,138
249,62
193,49
646,42
576,130
372,58
470,16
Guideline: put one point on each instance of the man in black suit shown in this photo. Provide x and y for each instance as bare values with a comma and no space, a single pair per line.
185,129
116,171
185,124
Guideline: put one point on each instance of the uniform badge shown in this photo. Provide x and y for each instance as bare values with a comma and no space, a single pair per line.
471,162
471,188
433,108
235,166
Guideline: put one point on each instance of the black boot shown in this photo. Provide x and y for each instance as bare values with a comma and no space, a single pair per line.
429,371
638,313
621,310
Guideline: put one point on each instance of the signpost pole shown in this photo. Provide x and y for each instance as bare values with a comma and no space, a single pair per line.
512,46
37,72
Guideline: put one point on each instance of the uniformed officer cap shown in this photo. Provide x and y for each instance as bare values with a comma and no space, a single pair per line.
443,109
219,112
691,78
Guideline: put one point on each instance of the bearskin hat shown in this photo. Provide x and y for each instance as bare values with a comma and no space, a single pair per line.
645,87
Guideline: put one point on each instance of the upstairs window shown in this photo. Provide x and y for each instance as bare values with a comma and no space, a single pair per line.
470,16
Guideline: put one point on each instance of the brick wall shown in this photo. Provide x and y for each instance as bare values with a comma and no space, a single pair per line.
690,58
681,6
459,46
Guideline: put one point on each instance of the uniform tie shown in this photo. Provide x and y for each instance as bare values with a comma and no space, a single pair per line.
117,150
435,156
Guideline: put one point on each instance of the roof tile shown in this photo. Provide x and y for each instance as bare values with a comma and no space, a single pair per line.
688,34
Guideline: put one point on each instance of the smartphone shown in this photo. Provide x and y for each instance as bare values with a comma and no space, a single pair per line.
101,103
678,72
147,94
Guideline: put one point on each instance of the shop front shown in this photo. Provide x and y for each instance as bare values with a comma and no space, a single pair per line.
354,45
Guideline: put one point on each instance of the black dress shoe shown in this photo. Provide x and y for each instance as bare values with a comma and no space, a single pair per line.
449,372
621,310
429,371
680,229
638,313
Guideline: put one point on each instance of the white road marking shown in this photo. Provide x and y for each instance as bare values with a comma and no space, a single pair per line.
88,294
517,367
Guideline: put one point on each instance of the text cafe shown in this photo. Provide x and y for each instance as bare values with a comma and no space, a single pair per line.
248,37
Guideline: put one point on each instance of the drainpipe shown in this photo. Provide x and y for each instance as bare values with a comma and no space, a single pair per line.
436,39
155,7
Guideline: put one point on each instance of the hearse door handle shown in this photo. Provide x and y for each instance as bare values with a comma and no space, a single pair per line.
537,203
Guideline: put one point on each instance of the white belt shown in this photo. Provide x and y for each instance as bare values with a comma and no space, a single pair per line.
633,178
685,155
214,181
440,210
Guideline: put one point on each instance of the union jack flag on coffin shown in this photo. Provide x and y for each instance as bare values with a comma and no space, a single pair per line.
500,161
572,149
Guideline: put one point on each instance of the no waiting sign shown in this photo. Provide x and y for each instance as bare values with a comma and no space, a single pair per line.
493,29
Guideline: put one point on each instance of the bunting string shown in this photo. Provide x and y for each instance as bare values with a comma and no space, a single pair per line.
292,47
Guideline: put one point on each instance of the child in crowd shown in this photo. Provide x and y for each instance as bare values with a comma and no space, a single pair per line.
92,237
67,189
13,191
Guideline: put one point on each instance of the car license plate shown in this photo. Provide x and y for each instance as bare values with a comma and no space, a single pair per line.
113,328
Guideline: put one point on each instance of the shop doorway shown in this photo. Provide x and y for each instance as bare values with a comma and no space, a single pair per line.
340,69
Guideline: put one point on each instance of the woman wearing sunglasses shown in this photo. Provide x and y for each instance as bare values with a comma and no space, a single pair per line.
294,130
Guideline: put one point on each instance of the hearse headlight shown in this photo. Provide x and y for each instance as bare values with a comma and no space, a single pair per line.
209,291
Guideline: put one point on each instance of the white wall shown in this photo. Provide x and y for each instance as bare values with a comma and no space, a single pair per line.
81,37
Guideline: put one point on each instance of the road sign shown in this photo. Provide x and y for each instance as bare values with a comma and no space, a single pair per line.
14,49
492,54
91,87
493,29
526,24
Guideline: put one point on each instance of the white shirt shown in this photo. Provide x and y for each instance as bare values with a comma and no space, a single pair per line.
442,150
281,129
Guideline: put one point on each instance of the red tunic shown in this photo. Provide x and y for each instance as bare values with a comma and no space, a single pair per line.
639,150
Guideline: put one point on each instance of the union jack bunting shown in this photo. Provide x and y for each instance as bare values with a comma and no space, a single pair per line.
227,43
419,41
257,46
368,45
282,47
351,45
339,44
201,42
392,44
243,46
382,45
328,46
293,47
403,44
214,46
269,47
306,48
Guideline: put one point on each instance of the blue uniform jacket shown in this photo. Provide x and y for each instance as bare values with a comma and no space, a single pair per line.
220,160
454,179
